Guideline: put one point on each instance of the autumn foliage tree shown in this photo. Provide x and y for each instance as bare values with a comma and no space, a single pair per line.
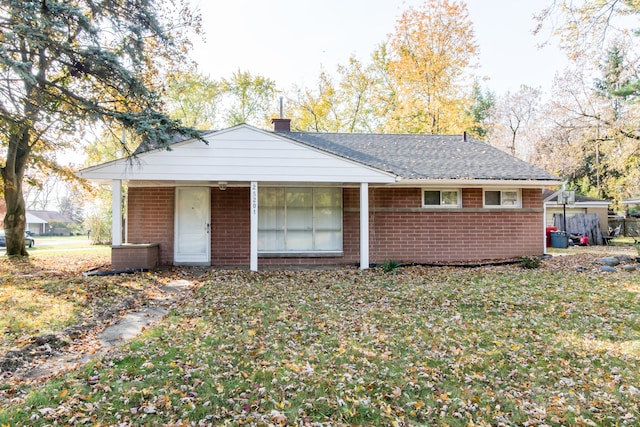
193,98
250,97
595,136
66,64
430,51
417,81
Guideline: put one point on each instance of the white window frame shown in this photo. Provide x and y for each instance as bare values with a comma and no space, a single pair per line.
518,191
441,206
314,228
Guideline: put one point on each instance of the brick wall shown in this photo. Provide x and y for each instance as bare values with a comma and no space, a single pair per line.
400,231
150,219
230,226
399,228
472,198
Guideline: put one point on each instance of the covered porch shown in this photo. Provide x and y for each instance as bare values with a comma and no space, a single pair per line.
218,224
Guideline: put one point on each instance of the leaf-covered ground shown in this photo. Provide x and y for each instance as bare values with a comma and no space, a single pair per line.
48,306
492,346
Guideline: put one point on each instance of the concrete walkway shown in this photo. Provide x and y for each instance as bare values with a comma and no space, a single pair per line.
114,335
132,324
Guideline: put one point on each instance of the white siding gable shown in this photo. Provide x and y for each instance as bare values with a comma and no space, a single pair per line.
241,153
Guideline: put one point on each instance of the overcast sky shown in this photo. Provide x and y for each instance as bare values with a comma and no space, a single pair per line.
290,40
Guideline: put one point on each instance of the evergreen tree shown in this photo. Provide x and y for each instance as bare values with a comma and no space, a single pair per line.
67,64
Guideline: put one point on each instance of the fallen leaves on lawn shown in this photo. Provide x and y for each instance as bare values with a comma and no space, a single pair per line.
47,306
430,346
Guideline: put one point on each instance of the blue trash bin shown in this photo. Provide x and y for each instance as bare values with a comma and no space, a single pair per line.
559,239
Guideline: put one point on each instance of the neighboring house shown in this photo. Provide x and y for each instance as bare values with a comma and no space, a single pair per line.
635,202
582,205
251,197
37,221
41,222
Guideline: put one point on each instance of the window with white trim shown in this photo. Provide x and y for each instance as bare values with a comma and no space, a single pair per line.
445,198
299,219
502,199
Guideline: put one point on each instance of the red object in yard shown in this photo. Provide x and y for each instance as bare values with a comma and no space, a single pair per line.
584,240
549,230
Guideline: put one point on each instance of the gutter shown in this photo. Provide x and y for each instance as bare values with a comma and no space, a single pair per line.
469,183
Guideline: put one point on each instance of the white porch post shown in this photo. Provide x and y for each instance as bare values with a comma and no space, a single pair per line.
364,225
253,263
116,212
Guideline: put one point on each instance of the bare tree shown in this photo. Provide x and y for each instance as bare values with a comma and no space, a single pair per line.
515,121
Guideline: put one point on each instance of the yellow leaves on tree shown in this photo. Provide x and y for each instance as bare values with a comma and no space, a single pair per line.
430,50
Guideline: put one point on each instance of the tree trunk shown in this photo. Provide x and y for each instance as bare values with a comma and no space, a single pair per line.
15,219
12,177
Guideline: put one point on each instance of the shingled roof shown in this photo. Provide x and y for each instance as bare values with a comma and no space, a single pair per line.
414,156
419,156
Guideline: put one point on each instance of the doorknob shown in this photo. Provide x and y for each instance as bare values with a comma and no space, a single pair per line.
207,228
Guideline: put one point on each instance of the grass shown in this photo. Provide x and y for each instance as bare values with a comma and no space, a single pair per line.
427,346
53,246
45,294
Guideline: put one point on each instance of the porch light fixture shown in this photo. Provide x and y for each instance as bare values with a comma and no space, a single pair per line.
222,185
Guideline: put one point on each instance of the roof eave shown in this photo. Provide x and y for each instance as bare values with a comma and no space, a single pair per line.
634,201
589,204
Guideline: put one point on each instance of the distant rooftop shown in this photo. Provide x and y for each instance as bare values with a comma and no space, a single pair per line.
49,216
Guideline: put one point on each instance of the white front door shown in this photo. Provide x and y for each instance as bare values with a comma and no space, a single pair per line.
192,244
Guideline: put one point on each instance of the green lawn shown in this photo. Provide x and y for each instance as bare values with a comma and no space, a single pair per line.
56,246
417,346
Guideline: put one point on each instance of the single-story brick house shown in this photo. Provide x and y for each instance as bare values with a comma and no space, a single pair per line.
252,197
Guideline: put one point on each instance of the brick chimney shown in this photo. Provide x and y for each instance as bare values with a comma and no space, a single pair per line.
281,125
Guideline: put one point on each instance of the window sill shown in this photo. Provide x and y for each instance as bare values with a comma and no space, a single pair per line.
300,254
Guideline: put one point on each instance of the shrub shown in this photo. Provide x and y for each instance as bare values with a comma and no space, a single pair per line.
530,261
99,229
390,266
